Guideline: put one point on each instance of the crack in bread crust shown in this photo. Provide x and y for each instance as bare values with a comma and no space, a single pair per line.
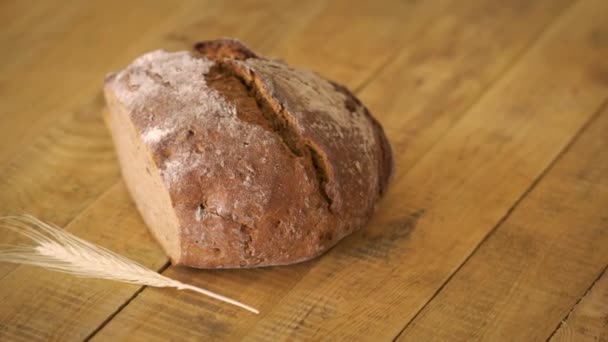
224,48
320,172
276,121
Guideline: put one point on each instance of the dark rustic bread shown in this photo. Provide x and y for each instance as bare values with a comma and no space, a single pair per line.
235,160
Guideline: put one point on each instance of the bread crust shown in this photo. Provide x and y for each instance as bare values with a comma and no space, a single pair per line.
265,164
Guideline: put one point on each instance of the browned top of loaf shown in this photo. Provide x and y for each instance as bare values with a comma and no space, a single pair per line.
265,163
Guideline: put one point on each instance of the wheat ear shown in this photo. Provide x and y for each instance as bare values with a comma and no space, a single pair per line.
55,249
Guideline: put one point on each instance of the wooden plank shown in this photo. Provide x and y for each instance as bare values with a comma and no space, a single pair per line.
328,39
374,291
29,25
52,78
62,156
150,315
341,42
61,172
538,263
589,319
430,85
373,283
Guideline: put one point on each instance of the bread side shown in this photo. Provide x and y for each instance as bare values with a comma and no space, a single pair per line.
142,178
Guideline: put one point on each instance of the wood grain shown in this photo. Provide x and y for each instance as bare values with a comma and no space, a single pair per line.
537,263
589,319
139,319
57,76
29,26
374,283
478,99
59,168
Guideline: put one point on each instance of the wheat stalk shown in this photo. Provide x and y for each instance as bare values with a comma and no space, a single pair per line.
61,251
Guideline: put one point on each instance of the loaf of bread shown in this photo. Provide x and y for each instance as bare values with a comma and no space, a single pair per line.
236,160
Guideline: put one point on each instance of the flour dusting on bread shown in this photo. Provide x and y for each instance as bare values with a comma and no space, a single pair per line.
171,82
176,81
154,134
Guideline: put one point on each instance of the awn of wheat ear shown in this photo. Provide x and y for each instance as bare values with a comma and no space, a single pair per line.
57,250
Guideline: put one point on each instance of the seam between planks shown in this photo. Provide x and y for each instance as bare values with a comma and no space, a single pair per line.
492,83
123,305
373,75
534,184
559,325
482,95
392,58
54,114
70,221
9,272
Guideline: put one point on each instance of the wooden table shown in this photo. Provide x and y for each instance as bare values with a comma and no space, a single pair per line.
496,223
